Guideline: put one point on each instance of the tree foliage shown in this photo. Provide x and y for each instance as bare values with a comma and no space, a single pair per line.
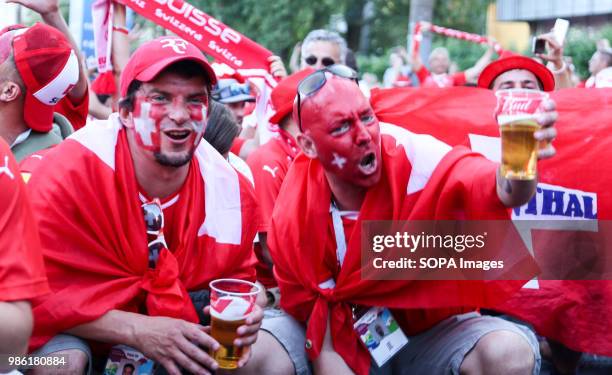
277,25
580,45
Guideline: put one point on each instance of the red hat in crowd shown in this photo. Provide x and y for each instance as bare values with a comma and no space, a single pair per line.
284,93
510,61
154,56
48,67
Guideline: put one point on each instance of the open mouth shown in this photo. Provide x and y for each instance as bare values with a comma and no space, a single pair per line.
368,163
178,135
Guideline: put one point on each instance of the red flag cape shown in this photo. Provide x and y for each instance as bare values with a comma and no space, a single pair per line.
210,35
574,187
94,241
419,182
22,272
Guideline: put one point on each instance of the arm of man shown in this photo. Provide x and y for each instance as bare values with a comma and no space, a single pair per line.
563,77
172,342
471,74
251,134
97,109
16,327
121,42
515,193
277,67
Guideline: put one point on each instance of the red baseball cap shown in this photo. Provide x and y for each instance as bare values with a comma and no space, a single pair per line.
284,93
510,61
49,69
154,56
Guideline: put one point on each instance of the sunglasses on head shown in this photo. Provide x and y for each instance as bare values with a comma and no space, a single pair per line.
326,61
154,224
314,82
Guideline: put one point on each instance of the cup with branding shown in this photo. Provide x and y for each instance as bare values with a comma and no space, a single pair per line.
516,113
231,301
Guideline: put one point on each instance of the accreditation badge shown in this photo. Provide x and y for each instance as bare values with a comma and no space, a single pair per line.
380,333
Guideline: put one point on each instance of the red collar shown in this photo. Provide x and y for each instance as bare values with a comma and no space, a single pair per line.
288,143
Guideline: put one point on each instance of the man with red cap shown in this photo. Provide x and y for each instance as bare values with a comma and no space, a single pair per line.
513,71
353,169
39,68
137,216
22,274
44,63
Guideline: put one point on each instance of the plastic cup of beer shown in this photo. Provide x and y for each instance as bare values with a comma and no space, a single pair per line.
516,113
231,301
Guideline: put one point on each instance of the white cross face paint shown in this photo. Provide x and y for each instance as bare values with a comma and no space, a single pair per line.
145,125
338,161
200,127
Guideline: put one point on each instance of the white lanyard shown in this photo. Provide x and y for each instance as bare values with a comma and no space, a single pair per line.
340,243
339,232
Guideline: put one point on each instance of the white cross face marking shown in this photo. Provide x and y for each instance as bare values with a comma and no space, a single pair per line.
339,161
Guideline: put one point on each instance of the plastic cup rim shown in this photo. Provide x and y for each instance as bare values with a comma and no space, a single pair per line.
256,291
540,93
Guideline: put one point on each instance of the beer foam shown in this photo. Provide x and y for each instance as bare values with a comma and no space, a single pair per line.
507,119
236,308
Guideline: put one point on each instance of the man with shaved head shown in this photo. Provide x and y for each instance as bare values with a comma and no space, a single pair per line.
352,169
43,86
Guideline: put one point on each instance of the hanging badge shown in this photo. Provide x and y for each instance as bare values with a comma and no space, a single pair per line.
380,334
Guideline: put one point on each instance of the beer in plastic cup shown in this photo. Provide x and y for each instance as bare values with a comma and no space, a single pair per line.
516,114
231,301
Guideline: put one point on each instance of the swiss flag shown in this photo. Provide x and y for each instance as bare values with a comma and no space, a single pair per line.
572,202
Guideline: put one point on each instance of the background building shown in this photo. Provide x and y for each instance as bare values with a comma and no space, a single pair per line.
541,14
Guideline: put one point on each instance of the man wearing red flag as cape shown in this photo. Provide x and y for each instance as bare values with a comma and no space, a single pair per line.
137,216
354,169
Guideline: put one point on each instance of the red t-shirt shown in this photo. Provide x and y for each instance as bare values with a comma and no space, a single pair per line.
269,164
428,79
22,271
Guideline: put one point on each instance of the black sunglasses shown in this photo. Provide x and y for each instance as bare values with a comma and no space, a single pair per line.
154,223
315,81
326,61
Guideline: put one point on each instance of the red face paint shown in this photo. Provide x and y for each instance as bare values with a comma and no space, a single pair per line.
345,131
169,117
147,123
152,118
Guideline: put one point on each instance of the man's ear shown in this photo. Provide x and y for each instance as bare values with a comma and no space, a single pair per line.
126,117
9,91
307,145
